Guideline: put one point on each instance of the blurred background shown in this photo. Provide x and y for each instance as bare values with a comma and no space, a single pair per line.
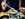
16,4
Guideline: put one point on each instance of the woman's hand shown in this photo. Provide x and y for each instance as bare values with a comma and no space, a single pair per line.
22,9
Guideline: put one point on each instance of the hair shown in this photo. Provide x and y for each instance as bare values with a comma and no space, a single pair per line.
6,1
5,16
3,0
0,8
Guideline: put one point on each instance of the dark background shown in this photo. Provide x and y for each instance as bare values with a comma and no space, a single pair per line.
14,3
23,3
0,2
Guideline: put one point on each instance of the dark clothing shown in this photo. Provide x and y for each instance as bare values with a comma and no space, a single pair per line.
0,8
7,8
23,3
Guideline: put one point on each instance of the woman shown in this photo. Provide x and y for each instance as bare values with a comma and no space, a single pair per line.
4,7
3,4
